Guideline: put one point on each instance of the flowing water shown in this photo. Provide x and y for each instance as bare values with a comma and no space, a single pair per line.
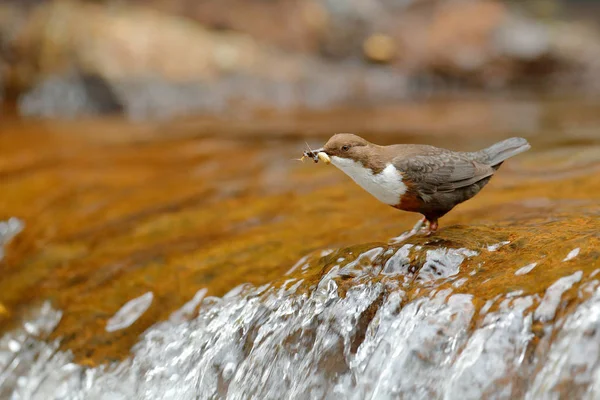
371,342
271,285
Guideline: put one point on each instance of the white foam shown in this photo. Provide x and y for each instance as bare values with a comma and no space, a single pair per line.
526,269
572,254
495,247
130,312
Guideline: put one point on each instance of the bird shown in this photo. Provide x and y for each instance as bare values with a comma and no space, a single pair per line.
414,177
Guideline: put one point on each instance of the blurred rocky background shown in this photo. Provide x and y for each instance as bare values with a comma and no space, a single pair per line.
165,58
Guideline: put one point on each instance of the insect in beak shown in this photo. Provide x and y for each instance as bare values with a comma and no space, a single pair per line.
324,157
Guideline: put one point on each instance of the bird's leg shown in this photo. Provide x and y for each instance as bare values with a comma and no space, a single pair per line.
416,229
433,226
418,225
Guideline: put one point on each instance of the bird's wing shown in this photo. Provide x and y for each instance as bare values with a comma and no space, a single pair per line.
443,172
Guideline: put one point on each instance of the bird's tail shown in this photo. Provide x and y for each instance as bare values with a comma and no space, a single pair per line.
505,149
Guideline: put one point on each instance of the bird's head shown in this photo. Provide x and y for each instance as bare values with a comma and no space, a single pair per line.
341,147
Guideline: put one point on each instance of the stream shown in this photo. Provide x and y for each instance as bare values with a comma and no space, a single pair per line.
197,260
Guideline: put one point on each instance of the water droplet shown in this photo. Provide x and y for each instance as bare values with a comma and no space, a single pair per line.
130,312
14,346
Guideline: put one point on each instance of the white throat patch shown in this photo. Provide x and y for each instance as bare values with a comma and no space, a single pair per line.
387,186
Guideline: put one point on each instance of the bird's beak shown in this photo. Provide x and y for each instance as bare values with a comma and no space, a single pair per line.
317,155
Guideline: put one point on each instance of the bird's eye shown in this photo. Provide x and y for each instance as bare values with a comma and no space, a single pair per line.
345,147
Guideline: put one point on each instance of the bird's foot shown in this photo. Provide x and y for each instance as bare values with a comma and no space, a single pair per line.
422,226
416,229
432,227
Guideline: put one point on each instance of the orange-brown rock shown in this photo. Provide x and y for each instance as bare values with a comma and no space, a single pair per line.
114,210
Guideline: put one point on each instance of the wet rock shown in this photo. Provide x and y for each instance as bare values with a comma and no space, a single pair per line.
459,34
521,39
113,211
124,59
132,51
297,21
203,264
484,42
158,64
70,95
380,48
354,336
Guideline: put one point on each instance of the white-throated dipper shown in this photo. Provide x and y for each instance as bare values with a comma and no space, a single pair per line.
417,178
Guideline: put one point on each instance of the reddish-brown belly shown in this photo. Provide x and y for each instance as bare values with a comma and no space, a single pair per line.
410,202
